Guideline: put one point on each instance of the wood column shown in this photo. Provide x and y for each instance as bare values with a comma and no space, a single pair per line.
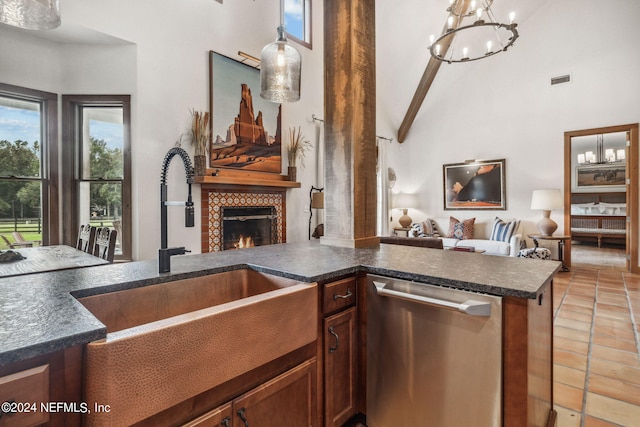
350,123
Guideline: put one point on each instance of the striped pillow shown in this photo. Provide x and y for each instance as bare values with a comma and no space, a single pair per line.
427,228
503,230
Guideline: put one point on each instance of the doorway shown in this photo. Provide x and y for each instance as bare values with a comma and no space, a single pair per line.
601,194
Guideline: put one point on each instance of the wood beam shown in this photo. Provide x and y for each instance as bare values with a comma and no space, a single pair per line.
350,123
429,75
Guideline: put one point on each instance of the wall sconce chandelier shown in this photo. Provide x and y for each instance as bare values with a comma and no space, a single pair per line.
280,68
472,33
30,14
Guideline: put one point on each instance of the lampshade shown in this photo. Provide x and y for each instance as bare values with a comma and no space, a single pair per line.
317,200
30,14
280,68
546,200
404,201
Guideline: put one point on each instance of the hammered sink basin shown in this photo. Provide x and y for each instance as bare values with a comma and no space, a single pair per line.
169,342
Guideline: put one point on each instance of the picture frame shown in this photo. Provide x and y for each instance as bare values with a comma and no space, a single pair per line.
605,176
475,185
245,129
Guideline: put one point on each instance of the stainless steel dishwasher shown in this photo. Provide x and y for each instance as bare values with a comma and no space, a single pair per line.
434,356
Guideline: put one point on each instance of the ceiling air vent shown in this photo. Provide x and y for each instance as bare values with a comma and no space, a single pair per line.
560,79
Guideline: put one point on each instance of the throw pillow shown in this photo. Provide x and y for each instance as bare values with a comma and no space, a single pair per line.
431,228
461,230
503,230
416,230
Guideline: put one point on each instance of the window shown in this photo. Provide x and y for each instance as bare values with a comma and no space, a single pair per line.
297,20
99,156
28,202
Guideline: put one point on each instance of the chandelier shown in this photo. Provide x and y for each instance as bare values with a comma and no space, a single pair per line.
30,14
472,33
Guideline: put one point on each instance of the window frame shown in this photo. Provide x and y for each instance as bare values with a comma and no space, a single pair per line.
49,171
72,106
307,26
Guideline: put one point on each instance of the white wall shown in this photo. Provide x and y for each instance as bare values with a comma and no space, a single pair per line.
161,59
504,106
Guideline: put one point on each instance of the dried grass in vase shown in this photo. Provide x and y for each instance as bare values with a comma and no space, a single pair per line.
200,131
297,147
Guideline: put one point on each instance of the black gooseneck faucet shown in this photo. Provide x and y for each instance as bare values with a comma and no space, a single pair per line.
165,253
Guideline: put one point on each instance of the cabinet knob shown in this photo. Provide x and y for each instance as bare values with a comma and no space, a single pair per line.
334,348
346,296
241,412
226,422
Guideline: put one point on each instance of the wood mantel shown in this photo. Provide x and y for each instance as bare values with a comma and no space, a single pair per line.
244,178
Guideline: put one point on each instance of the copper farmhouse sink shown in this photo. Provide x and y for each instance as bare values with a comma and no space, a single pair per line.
168,342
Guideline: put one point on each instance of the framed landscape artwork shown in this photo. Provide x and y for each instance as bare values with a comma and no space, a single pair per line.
476,185
601,176
245,129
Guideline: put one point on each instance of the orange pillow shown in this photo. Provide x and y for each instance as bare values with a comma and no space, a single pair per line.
461,230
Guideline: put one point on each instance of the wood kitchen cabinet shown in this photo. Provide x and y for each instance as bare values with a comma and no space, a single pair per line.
289,400
339,351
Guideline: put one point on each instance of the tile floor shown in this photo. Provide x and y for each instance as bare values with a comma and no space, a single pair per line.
597,348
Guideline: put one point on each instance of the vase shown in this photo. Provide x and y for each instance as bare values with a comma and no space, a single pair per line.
292,172
199,165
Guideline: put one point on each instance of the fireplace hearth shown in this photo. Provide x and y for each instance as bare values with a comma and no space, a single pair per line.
235,219
245,227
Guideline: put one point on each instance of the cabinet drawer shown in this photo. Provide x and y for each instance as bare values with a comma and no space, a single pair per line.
222,416
28,389
338,295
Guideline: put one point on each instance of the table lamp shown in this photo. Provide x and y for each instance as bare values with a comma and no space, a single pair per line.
404,201
546,201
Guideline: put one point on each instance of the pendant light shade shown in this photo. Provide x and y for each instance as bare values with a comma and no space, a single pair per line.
30,14
280,67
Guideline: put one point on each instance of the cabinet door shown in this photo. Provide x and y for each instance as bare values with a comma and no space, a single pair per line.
288,400
340,356
219,417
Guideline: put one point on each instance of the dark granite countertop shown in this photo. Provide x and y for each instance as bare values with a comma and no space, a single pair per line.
39,313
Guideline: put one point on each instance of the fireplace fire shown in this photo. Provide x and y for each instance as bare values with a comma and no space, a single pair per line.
246,227
244,242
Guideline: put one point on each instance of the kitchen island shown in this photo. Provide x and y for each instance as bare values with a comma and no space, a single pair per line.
40,314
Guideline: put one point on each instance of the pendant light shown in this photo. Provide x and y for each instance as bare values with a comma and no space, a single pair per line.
280,66
30,14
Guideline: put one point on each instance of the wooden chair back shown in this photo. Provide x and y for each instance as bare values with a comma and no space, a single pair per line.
86,238
105,243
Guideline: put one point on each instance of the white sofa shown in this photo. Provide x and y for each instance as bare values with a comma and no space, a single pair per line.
481,234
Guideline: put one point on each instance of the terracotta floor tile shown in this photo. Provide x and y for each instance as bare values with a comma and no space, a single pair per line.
590,421
611,370
612,410
575,315
578,308
571,345
614,388
570,359
559,331
567,396
620,332
573,324
569,376
567,417
614,355
614,342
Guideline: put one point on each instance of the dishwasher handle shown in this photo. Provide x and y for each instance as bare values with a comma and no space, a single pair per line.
470,307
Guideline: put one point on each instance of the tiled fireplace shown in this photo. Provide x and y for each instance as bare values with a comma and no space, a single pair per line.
237,218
